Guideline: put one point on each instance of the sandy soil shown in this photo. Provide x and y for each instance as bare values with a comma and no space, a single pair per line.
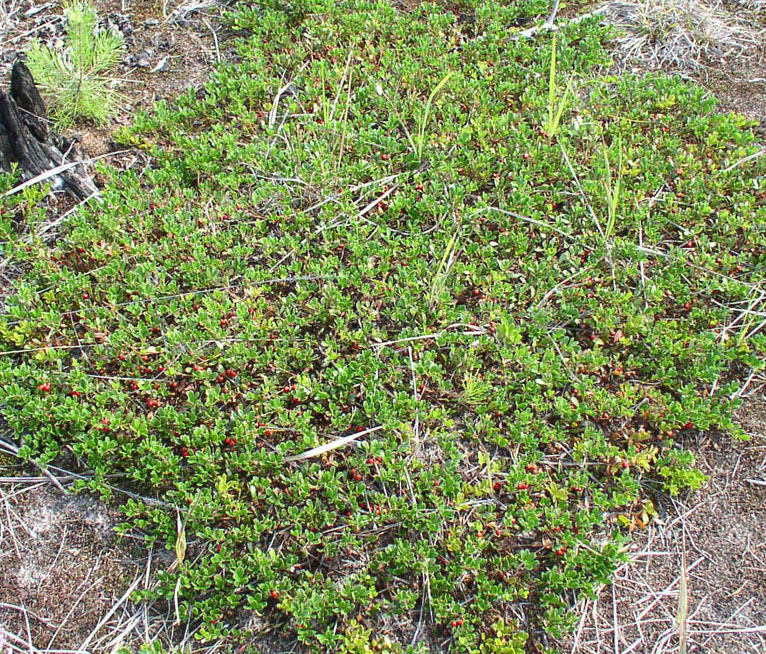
61,567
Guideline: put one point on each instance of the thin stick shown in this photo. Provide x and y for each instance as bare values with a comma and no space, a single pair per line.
65,215
549,23
215,40
15,451
533,221
549,26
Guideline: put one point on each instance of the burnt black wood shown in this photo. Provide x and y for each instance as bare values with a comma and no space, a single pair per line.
29,101
26,139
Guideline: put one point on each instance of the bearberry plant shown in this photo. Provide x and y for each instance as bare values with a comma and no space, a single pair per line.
523,325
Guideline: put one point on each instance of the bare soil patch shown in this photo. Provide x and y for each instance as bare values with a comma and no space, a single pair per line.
61,566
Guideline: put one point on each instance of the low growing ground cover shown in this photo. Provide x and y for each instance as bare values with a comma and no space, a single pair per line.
520,280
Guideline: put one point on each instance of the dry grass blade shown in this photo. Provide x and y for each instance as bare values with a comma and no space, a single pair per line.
125,596
180,540
683,607
44,177
332,445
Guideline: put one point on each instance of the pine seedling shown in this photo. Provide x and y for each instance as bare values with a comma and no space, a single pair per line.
76,79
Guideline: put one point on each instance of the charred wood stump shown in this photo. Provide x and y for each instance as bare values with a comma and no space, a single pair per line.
26,139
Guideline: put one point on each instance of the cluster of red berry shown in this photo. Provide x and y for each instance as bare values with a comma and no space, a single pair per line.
227,374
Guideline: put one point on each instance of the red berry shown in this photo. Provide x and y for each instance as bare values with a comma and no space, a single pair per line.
184,452
497,486
274,594
44,387
522,486
121,357
561,551
231,374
